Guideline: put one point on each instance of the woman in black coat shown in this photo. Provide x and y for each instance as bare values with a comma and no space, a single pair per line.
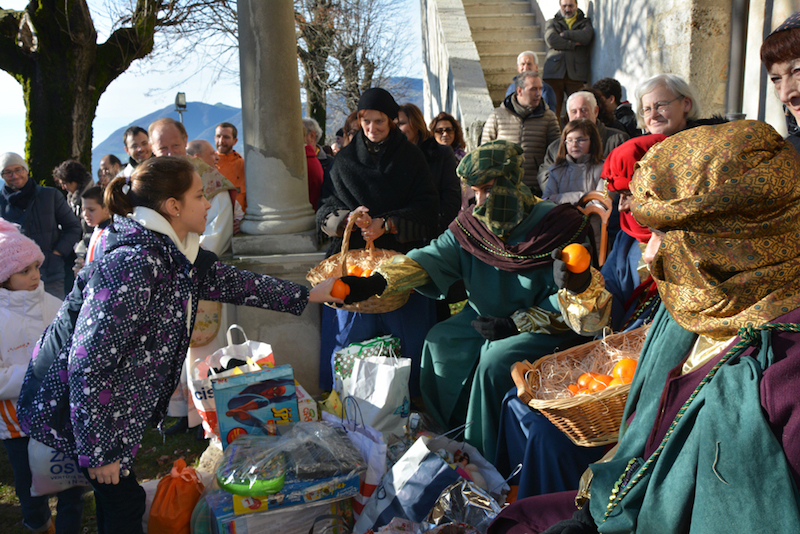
383,176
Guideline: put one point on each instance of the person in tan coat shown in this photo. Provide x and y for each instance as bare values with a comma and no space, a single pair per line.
524,118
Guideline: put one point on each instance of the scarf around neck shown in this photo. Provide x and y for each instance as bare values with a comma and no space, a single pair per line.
22,197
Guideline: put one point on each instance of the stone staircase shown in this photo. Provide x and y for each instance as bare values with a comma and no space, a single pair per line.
501,29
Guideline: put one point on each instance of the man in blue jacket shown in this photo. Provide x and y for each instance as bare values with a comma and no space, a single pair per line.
43,215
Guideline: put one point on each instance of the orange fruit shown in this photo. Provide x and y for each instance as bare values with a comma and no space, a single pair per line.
576,257
354,270
573,388
600,382
584,380
616,382
367,273
340,290
624,370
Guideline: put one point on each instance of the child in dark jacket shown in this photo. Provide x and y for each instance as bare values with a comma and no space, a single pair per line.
108,364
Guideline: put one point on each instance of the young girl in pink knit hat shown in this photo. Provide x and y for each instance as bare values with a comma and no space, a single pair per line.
25,311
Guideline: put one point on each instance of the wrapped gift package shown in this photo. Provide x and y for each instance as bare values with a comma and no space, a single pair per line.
255,403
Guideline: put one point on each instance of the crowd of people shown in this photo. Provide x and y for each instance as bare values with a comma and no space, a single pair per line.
706,440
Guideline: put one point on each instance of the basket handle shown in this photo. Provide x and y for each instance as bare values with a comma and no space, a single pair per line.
346,241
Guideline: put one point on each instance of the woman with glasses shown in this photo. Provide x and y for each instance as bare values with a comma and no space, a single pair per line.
447,131
666,105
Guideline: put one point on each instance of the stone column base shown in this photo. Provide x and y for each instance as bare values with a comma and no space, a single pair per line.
295,340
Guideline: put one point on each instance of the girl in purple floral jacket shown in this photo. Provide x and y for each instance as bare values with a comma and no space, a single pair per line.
107,365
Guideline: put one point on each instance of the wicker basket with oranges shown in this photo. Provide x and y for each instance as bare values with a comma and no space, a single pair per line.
573,388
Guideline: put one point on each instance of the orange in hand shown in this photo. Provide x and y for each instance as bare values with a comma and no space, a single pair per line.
624,370
340,290
576,257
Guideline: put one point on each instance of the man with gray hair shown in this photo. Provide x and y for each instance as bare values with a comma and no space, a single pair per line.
523,118
204,151
528,60
582,105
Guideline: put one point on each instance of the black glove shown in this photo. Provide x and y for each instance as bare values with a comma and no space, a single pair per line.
494,328
363,288
572,282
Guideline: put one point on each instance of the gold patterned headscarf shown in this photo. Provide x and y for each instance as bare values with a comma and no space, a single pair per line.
728,197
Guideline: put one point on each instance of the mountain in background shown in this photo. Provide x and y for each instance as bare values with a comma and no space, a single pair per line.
200,120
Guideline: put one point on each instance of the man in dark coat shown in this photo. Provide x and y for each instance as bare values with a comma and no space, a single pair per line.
567,66
43,215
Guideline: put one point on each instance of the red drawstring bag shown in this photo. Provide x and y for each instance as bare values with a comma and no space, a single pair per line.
176,496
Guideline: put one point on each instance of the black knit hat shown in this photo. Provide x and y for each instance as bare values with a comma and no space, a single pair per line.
379,99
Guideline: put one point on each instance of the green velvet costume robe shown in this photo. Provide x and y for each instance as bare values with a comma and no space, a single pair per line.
464,376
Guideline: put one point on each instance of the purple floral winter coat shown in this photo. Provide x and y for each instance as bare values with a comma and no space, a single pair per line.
110,361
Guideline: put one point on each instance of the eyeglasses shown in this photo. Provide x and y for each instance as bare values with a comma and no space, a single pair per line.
11,172
657,107
577,141
440,131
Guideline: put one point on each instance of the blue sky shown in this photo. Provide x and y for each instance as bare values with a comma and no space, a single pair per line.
136,93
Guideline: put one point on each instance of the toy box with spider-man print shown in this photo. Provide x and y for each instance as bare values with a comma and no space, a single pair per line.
255,403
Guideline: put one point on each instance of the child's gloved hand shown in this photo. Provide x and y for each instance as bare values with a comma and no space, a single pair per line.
572,282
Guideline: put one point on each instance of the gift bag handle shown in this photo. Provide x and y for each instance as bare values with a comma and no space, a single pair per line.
357,412
241,331
336,518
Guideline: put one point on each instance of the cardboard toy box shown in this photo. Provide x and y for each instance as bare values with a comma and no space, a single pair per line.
255,403
264,515
307,408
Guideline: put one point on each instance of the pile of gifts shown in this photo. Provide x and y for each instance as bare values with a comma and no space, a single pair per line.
284,471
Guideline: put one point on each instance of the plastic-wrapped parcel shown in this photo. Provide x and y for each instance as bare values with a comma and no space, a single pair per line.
264,465
464,502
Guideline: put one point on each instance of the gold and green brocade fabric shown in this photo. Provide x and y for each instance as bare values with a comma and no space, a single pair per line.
727,197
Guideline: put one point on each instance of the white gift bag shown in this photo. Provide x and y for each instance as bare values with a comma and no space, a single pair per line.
52,471
380,387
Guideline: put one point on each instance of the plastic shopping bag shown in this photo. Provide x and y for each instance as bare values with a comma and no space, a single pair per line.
175,500
380,386
52,471
369,443
254,354
410,489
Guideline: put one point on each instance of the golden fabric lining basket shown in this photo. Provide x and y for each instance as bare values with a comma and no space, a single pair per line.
589,420
366,258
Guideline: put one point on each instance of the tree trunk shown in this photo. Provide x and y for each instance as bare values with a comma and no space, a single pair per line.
63,71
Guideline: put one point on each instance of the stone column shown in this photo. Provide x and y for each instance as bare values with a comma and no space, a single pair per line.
279,220
275,160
